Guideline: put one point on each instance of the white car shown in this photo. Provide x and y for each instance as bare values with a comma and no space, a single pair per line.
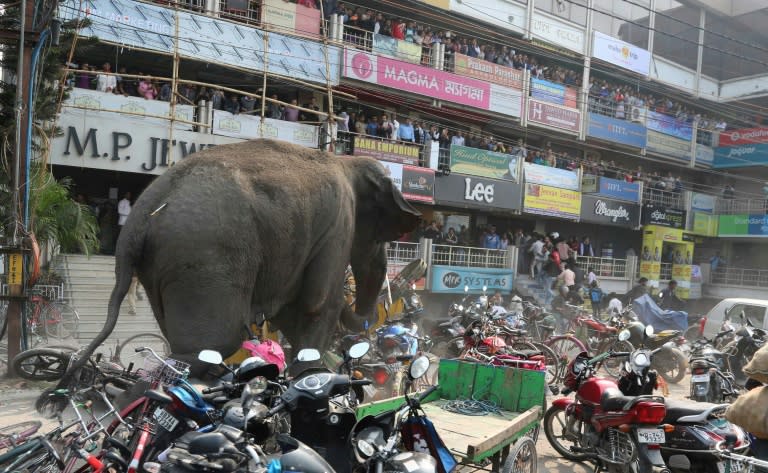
736,310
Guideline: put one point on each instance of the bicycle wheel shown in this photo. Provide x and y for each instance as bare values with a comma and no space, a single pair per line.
155,341
522,457
566,347
554,373
41,364
12,434
612,365
60,320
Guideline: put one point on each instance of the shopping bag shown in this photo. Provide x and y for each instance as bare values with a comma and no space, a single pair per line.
419,435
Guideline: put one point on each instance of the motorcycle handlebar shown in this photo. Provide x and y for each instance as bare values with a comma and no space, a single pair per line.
360,382
722,334
619,354
279,407
218,389
426,393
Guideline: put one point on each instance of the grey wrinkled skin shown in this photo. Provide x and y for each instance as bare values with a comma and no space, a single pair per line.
257,227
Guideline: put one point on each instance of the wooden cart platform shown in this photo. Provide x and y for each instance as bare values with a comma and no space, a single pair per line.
474,439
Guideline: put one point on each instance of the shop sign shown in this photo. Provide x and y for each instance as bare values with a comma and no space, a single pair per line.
618,189
248,127
741,156
480,162
386,150
556,116
703,202
395,172
705,155
551,201
745,136
743,225
553,92
102,105
610,212
488,71
505,14
477,192
288,17
663,216
432,83
419,184
617,131
549,176
15,276
704,224
669,146
617,52
452,279
204,38
122,144
557,32
668,125
389,46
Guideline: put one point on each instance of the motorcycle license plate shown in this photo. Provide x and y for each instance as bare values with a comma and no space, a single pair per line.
721,467
165,419
700,378
650,436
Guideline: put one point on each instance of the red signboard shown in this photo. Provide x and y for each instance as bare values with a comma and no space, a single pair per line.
746,136
419,184
555,116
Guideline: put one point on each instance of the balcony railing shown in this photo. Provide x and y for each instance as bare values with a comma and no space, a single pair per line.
451,255
668,199
242,11
740,277
605,267
666,272
401,252
742,206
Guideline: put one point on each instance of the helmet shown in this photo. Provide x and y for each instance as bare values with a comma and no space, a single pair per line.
256,366
575,368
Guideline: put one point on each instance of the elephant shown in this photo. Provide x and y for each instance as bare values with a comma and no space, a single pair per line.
257,227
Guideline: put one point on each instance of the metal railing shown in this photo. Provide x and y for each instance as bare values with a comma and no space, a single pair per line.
666,272
668,199
399,252
605,267
242,11
451,255
742,206
740,277
358,38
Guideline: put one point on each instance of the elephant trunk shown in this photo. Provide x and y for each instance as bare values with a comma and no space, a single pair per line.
369,268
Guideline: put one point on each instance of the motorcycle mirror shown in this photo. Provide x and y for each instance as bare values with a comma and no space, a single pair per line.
308,354
358,350
418,367
257,385
211,357
661,295
624,335
466,288
649,330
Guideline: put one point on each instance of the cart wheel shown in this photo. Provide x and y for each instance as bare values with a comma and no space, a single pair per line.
522,457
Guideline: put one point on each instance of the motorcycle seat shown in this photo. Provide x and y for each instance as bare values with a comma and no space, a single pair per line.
613,400
214,442
678,408
517,332
524,353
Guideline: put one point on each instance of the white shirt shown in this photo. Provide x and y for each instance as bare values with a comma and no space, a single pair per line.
123,210
104,82
615,306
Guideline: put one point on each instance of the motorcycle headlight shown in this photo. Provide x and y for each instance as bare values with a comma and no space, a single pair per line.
641,360
415,300
365,449
460,308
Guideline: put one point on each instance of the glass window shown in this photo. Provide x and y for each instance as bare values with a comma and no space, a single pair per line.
627,21
571,10
743,312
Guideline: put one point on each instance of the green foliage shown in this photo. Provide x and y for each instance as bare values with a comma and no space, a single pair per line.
57,217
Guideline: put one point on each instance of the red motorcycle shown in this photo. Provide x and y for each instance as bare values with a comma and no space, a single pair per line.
621,434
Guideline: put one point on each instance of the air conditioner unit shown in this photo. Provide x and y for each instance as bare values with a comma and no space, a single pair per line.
639,114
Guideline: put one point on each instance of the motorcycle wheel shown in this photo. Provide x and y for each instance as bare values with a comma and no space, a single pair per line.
556,418
692,333
673,368
41,364
612,366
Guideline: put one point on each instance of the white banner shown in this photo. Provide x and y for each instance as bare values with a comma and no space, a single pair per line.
395,172
622,54
249,127
557,32
93,104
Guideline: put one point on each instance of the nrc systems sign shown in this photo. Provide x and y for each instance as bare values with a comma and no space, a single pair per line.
452,279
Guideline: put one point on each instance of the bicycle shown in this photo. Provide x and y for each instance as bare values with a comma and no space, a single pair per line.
50,363
48,316
11,435
565,347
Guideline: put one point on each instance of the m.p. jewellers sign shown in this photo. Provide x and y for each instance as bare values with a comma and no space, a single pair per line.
125,144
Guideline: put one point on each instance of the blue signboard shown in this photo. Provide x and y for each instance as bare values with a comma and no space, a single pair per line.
618,189
669,125
553,92
452,279
618,131
741,156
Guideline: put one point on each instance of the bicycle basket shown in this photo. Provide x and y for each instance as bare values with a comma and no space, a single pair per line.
51,292
156,371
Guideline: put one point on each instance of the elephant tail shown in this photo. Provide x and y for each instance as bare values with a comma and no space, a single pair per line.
49,404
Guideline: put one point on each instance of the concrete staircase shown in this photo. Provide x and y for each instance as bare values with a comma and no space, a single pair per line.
529,287
88,285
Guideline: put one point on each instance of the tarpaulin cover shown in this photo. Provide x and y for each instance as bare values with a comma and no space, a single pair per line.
650,313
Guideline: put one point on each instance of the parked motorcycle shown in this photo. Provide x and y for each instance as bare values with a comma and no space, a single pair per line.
621,434
748,339
670,361
711,376
374,440
692,429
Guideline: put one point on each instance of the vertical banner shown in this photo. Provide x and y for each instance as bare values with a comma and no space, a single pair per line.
650,259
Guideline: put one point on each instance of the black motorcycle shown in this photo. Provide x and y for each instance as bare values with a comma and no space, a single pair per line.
748,339
692,429
671,363
711,376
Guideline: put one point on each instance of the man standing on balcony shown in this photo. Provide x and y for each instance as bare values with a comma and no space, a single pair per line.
585,249
405,131
491,239
106,82
458,138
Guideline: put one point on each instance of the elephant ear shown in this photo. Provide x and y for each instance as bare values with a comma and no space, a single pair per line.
395,215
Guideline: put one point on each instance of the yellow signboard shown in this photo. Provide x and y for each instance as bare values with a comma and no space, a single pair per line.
705,224
15,276
552,201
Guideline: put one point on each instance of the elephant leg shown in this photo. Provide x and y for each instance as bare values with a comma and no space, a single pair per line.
199,316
